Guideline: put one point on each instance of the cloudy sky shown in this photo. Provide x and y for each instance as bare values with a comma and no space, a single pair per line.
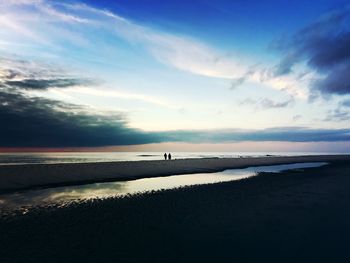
189,75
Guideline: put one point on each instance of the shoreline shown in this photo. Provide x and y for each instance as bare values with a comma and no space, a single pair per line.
296,216
28,176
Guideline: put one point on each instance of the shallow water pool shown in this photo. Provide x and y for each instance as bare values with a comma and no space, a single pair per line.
64,195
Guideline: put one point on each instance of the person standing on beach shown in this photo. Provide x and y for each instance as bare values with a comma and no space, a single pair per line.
165,156
169,156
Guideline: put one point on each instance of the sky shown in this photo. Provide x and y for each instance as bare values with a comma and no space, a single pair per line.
186,75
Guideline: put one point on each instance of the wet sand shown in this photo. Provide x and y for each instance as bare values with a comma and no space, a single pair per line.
16,177
296,216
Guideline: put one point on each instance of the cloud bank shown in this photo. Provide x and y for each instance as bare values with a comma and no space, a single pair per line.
38,122
30,121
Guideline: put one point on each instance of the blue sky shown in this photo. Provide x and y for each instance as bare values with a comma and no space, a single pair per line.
112,73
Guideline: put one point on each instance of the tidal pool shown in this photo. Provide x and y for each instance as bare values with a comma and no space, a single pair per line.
79,193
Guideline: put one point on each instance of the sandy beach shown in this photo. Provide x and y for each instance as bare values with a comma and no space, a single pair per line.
296,216
16,177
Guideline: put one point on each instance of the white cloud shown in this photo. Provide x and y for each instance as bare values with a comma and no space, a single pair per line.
192,55
120,94
178,51
52,12
20,2
10,22
181,52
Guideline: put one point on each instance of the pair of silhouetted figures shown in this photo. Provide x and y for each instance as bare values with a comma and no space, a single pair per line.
167,156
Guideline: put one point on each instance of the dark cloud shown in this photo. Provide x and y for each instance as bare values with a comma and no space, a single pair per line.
345,103
39,122
42,84
325,47
336,82
20,74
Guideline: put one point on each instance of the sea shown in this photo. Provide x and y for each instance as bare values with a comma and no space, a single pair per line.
87,157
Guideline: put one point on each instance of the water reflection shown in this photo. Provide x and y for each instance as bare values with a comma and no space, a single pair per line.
61,195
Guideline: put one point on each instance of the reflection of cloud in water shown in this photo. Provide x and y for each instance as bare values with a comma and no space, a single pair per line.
100,190
62,195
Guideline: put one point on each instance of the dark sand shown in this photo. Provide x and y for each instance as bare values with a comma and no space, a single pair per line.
298,216
16,177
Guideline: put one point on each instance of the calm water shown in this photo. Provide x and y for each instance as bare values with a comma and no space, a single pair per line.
64,195
24,158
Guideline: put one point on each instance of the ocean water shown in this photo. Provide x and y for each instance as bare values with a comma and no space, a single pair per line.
61,196
84,157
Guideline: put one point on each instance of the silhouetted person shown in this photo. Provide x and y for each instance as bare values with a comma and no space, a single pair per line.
169,156
165,156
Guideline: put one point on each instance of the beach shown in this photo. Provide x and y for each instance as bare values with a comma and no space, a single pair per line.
26,176
174,131
295,216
